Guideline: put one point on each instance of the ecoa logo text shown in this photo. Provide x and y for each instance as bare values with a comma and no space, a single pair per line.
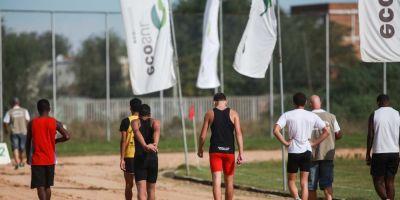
147,38
386,16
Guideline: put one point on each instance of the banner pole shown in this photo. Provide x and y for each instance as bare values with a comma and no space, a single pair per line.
108,101
271,97
384,78
327,23
179,86
195,140
221,51
1,78
53,63
162,110
282,96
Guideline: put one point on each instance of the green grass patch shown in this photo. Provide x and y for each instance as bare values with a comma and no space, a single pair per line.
352,179
79,146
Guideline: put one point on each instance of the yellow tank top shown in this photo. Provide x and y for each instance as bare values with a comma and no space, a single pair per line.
130,150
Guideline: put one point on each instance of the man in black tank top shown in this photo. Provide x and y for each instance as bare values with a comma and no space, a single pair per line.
147,136
224,124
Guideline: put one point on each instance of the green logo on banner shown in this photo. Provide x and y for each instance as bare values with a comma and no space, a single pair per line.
158,21
268,4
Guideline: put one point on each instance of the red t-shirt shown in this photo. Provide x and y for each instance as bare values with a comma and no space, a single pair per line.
43,140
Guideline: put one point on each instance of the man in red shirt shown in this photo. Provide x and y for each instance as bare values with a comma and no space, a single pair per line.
41,139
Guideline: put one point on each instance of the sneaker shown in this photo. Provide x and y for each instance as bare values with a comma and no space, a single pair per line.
21,164
16,167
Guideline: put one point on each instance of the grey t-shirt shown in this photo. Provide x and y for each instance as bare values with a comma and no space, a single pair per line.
326,150
17,118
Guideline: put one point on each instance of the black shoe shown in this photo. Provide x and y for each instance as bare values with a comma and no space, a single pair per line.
16,167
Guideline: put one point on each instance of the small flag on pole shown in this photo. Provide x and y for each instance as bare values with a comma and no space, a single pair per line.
192,112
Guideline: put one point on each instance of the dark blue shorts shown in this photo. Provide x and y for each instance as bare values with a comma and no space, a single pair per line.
321,172
18,141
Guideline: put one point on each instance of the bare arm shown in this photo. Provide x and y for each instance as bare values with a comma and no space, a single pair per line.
157,132
239,136
279,136
28,143
322,137
65,134
123,144
203,134
370,138
338,135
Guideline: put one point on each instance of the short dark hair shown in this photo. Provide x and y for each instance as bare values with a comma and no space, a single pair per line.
145,110
299,99
219,97
382,99
43,105
14,101
135,104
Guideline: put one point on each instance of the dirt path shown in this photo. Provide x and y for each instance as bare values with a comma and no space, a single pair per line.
99,177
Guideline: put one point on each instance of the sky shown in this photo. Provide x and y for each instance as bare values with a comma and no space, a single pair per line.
79,27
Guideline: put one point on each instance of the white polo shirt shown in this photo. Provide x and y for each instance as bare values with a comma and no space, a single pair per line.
300,125
386,127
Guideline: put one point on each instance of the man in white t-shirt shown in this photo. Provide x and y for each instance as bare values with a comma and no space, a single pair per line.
383,140
300,124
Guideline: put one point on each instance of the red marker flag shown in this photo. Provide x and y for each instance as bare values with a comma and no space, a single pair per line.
192,112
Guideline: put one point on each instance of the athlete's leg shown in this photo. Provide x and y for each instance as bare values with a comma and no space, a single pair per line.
380,188
41,192
141,190
389,183
128,186
228,187
304,184
16,156
216,178
292,185
151,191
48,193
328,193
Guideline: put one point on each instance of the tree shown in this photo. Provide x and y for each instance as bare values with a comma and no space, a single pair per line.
26,60
90,68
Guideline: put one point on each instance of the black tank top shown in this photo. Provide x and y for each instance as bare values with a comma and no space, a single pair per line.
222,136
147,131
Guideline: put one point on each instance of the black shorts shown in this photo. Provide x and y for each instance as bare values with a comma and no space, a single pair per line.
146,168
384,164
42,176
129,165
298,161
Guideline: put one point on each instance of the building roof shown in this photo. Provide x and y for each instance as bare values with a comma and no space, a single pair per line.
322,9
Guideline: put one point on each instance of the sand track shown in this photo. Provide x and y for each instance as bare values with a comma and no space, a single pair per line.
99,177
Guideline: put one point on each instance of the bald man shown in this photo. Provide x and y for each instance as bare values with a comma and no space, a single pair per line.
321,171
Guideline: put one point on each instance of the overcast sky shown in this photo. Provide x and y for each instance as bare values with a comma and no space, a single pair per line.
79,27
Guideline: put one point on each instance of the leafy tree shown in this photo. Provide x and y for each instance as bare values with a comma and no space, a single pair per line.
26,62
90,68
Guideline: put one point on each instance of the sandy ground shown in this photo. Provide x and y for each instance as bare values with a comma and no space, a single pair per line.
99,177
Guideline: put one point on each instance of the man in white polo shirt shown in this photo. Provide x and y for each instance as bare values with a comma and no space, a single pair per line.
383,139
300,124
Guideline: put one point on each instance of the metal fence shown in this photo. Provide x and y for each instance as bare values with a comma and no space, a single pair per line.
250,108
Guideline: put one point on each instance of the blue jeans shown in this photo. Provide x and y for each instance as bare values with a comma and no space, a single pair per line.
321,173
18,141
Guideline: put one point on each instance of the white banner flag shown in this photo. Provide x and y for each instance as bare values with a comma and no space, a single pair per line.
148,38
254,53
208,73
379,30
